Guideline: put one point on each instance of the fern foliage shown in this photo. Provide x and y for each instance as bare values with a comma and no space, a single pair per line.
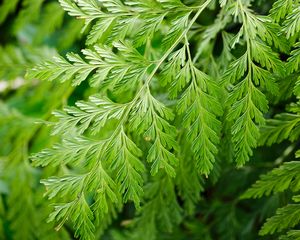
284,126
117,60
26,28
163,98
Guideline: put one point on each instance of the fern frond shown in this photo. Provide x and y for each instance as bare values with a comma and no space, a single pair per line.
247,101
176,29
292,22
280,9
109,141
86,9
198,105
291,235
283,126
92,114
116,19
294,59
107,197
66,186
95,182
73,150
291,216
149,117
80,214
101,65
278,180
14,60
124,155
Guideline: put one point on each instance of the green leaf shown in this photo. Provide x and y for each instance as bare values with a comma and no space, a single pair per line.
278,180
292,22
291,216
149,117
283,126
79,213
124,157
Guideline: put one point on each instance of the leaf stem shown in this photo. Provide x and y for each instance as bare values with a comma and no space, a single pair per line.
183,34
160,62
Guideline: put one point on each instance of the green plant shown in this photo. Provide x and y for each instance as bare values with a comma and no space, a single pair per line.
27,33
284,126
170,97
